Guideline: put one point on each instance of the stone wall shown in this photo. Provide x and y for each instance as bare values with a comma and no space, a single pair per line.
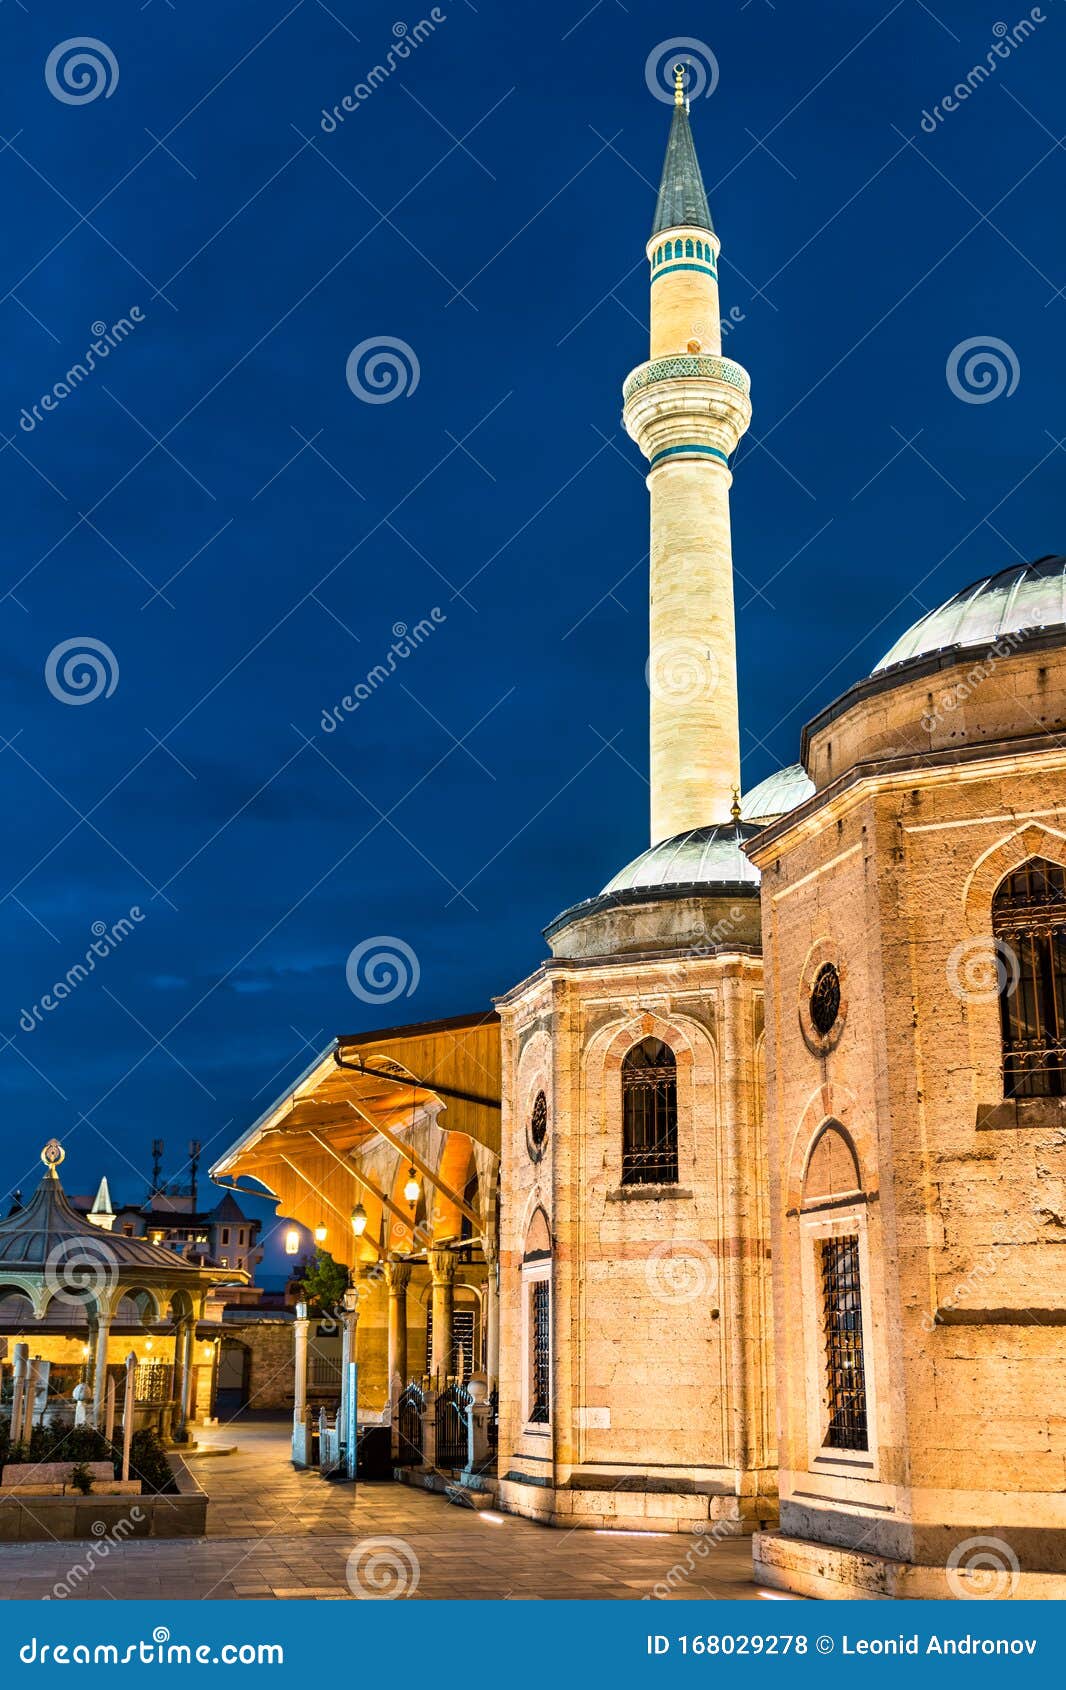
961,1206
661,1411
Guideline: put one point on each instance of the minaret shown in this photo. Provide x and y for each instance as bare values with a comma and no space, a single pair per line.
687,409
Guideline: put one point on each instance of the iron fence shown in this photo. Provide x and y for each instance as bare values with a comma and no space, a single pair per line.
409,1411
452,1443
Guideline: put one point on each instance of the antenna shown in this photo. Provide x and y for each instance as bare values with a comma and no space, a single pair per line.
157,1167
194,1162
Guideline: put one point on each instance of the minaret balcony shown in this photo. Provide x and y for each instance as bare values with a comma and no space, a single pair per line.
686,364
687,398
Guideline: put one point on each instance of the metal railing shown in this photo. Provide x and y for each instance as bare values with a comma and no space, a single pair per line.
409,1410
452,1440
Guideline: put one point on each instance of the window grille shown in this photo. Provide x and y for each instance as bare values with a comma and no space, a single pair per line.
540,1359
649,1115
463,1337
845,1370
825,999
151,1382
1029,924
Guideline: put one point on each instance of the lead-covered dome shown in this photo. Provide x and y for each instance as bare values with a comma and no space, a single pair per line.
1026,598
691,894
777,794
703,857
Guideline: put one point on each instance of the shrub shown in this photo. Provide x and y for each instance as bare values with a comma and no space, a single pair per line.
148,1462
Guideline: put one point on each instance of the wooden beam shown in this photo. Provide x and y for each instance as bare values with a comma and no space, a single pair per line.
416,1161
410,1082
367,1184
345,1219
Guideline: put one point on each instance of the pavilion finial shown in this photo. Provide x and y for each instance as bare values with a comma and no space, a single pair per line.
52,1154
679,85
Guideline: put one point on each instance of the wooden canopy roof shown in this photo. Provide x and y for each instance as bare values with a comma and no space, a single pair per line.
364,1091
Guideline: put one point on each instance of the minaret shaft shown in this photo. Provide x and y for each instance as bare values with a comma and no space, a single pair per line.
692,672
687,409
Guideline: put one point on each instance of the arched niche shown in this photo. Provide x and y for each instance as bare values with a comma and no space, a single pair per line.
538,1241
832,1170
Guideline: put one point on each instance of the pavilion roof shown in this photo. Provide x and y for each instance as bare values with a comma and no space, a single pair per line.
48,1235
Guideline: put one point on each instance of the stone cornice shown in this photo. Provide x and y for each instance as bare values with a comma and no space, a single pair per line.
920,769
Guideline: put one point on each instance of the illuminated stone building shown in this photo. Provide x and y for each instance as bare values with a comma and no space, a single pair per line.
774,1140
914,925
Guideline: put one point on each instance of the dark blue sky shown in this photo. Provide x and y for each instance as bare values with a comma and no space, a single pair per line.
218,508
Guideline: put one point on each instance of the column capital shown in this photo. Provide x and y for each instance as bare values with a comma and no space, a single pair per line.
442,1265
397,1271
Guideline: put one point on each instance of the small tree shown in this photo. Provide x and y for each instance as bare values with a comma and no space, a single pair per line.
322,1282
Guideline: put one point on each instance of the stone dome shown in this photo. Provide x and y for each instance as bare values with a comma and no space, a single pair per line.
777,794
704,858
1026,597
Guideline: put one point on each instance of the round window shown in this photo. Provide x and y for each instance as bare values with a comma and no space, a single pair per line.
825,998
538,1121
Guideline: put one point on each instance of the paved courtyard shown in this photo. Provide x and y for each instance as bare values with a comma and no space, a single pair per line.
273,1532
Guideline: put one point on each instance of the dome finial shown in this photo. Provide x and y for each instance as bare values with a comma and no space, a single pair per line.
679,85
735,810
52,1154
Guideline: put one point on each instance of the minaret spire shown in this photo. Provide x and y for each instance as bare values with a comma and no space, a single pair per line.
687,409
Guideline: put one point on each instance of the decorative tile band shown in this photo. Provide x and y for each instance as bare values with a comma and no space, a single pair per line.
687,451
687,364
668,269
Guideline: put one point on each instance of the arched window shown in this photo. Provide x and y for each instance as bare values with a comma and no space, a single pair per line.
690,250
649,1115
831,1185
1029,924
669,249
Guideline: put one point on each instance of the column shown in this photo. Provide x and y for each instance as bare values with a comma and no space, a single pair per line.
30,1399
492,1316
183,1338
89,1363
103,1333
349,1319
21,1360
397,1278
300,1442
442,1268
